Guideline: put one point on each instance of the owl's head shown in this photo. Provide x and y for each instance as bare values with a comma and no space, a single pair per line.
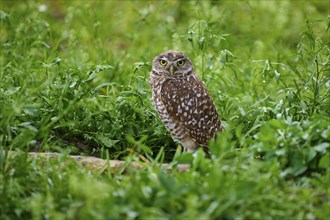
172,63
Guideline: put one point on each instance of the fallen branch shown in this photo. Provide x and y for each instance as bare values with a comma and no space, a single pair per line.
97,164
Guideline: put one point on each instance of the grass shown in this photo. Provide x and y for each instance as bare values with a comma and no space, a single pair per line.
74,79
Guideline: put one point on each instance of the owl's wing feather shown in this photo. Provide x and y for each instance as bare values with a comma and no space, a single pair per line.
188,101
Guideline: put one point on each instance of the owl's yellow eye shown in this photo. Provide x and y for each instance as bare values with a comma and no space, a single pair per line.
163,62
181,62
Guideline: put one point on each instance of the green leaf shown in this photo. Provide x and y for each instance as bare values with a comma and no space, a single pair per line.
109,143
325,161
167,181
184,158
321,147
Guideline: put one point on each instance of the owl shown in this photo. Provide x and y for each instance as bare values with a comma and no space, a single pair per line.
182,101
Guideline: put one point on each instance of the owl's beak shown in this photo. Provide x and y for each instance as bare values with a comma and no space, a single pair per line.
171,69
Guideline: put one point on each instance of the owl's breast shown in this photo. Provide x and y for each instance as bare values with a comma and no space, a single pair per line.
187,101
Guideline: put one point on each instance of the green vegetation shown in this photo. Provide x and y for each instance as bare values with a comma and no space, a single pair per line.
74,79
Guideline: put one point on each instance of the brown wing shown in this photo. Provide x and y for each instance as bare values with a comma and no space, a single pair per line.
188,101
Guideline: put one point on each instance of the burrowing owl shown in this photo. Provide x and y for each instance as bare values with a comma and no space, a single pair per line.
182,101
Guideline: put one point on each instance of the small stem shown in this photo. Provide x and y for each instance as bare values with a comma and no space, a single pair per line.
316,89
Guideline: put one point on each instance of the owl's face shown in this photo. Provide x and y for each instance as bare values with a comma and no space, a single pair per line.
172,63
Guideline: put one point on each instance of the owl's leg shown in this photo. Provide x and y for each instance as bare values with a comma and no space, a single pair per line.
189,145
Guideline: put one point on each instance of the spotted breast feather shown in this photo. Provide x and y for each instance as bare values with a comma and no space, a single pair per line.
190,104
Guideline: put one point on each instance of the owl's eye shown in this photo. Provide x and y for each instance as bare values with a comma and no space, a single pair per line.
181,62
163,62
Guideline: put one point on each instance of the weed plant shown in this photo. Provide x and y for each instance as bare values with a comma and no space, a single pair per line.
74,80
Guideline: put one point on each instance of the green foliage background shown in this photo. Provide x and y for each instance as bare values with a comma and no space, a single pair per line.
74,79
